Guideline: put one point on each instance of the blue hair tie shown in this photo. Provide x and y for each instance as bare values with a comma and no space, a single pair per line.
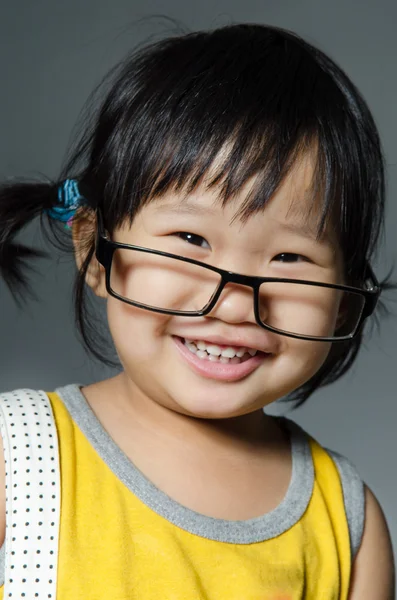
69,200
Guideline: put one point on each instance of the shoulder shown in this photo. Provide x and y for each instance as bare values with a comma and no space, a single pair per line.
373,564
373,574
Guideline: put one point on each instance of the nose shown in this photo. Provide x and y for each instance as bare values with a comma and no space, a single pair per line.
235,304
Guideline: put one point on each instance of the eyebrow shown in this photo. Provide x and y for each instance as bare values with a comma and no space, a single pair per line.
306,231
187,208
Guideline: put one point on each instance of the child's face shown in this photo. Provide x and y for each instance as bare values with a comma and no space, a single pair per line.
146,341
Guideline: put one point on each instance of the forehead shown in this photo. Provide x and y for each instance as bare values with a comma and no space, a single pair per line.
294,204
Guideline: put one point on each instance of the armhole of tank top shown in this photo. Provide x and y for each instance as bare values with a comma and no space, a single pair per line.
353,498
31,456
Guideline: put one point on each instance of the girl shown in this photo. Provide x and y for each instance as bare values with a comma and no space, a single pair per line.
226,202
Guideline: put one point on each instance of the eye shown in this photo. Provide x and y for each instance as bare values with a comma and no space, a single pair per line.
192,238
290,257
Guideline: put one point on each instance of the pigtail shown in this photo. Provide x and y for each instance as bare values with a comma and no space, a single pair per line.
20,203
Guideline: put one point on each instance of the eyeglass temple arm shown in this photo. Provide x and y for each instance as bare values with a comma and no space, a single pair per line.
372,285
371,279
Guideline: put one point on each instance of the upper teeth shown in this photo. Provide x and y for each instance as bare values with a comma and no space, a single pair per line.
215,350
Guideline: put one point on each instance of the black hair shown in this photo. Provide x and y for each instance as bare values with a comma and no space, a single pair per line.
170,108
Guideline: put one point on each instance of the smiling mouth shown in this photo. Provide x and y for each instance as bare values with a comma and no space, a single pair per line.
211,367
220,354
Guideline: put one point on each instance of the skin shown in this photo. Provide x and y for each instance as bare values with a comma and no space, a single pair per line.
158,402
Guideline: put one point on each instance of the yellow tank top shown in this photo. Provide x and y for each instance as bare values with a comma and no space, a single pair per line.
121,538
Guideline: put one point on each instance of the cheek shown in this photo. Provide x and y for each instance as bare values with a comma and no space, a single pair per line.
305,358
301,309
134,331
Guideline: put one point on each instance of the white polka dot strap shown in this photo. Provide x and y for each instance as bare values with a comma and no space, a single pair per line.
32,495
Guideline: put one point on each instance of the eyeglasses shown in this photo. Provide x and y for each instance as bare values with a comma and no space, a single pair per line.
171,284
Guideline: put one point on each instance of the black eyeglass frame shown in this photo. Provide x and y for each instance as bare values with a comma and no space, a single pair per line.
105,249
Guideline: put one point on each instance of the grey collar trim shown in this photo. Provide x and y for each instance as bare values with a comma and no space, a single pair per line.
250,531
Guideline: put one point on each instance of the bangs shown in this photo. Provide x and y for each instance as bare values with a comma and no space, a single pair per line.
260,101
259,164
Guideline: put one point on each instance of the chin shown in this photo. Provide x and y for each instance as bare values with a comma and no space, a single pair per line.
215,407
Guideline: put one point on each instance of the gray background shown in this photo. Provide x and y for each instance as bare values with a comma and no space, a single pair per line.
51,56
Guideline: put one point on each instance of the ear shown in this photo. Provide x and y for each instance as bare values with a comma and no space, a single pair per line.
83,235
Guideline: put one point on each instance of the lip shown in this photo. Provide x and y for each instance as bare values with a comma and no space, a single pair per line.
219,371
